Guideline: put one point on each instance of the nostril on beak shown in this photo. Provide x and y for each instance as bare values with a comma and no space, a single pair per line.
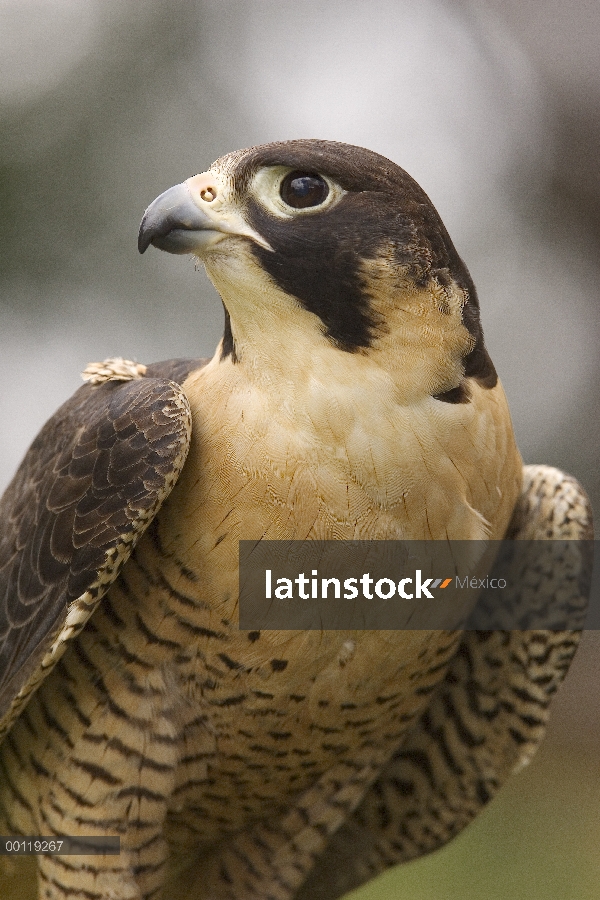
203,186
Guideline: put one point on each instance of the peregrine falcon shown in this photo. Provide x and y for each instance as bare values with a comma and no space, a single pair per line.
351,397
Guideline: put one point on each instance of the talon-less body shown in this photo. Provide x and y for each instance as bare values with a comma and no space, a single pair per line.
351,398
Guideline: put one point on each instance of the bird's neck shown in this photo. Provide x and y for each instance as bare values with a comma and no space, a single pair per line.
283,348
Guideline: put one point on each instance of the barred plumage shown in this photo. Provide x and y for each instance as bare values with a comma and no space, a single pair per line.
352,397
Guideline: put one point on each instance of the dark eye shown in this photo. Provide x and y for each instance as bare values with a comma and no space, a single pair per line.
302,189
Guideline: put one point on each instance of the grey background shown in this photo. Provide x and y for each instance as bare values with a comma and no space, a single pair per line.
493,107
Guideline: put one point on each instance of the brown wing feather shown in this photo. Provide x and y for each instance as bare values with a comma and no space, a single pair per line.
89,485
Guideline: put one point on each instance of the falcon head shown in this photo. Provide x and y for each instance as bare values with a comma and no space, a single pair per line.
324,244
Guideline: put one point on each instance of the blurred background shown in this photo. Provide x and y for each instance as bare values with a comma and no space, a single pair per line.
494,107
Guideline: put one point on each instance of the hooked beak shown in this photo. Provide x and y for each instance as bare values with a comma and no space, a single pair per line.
190,217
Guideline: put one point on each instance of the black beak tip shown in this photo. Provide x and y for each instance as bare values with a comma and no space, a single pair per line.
144,237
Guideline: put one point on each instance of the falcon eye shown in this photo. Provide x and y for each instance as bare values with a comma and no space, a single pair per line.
303,189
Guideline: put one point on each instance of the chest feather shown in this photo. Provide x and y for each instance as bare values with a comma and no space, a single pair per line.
319,459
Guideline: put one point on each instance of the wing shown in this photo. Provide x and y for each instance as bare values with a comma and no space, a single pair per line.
90,484
485,721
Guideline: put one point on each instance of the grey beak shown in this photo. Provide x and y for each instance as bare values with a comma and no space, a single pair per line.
173,222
